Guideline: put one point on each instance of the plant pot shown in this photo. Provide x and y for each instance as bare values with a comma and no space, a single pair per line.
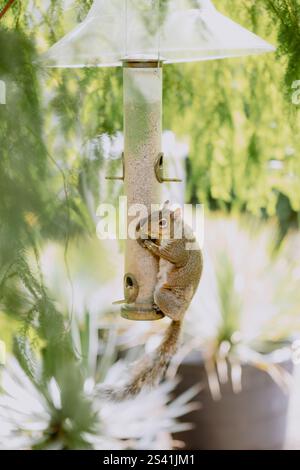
254,419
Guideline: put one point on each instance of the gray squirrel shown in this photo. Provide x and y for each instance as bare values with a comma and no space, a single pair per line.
178,277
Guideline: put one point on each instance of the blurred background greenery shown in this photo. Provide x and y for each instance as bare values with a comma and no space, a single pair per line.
243,133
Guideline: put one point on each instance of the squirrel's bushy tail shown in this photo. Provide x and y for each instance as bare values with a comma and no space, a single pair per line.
149,372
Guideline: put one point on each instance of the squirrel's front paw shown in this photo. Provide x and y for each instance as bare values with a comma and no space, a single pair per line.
152,247
143,242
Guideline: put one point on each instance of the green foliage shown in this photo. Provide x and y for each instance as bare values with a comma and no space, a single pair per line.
243,127
286,14
53,357
23,154
237,112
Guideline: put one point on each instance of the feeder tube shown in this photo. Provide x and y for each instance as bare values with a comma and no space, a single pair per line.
142,145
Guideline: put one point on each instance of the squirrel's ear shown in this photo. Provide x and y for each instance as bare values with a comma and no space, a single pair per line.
165,204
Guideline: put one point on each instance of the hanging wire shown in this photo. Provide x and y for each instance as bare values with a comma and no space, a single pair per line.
126,28
159,33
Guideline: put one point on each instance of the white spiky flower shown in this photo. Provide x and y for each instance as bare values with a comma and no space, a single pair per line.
23,410
55,404
247,298
145,422
265,285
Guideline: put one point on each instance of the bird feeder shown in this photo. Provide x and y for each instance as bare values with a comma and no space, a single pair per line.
142,36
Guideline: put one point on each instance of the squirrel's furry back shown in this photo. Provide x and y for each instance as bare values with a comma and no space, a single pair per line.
149,372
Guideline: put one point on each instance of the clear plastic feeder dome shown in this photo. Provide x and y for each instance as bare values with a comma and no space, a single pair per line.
169,30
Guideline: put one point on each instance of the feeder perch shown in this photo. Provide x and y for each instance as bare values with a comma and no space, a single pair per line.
142,36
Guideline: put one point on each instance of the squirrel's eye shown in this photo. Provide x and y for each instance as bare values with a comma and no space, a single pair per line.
163,223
